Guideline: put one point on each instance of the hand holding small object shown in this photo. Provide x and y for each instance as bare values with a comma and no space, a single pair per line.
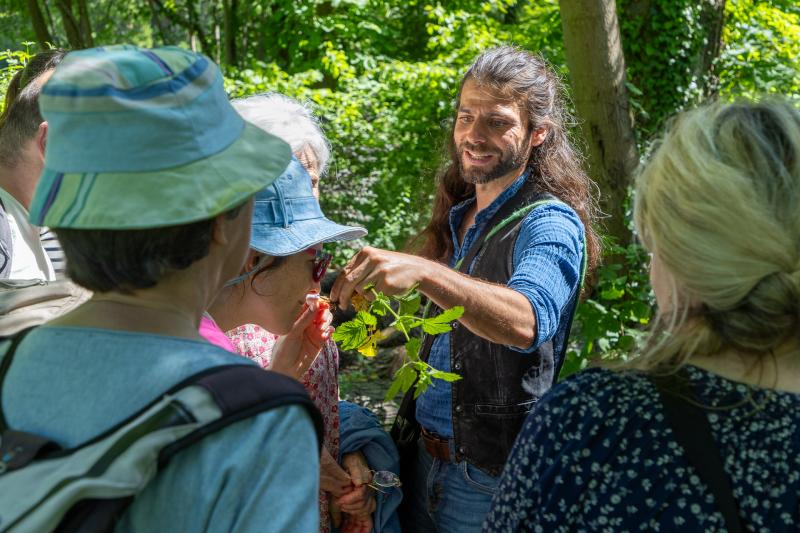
333,479
295,352
358,501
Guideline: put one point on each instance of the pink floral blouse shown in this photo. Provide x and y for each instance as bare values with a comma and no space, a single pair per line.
321,381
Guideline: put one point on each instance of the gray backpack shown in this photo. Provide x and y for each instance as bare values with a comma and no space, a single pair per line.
87,488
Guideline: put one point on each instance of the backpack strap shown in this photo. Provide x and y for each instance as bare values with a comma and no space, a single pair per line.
6,243
242,391
693,433
4,366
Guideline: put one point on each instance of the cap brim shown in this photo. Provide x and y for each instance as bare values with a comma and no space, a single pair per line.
169,197
300,236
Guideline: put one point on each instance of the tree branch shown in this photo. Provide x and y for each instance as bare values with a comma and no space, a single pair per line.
190,24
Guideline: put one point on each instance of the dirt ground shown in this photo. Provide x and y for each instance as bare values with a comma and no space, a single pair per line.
365,381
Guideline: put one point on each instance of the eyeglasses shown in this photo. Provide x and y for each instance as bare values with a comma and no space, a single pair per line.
321,262
382,480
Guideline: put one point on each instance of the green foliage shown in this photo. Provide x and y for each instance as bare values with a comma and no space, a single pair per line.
609,324
362,334
383,74
662,41
763,54
11,61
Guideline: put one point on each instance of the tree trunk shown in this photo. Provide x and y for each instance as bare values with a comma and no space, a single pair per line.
50,23
713,17
156,21
597,73
39,25
85,24
230,28
71,27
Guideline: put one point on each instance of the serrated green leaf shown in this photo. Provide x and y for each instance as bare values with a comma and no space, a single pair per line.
350,335
408,376
381,305
446,376
412,348
441,322
420,388
434,328
405,323
367,318
612,293
394,388
410,306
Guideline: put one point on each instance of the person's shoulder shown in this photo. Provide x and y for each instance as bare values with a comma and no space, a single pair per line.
551,221
598,394
253,342
159,360
554,210
600,382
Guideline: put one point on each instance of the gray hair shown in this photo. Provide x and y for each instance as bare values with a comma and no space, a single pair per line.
288,119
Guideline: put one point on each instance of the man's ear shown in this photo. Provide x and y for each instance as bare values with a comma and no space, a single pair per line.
538,136
41,138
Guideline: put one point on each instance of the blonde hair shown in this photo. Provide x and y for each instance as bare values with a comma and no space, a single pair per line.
719,202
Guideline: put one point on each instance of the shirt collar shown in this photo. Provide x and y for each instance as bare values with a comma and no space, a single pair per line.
458,211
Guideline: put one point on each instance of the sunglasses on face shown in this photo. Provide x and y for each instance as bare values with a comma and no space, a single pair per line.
321,262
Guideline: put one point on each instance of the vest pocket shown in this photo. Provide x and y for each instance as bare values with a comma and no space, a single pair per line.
509,410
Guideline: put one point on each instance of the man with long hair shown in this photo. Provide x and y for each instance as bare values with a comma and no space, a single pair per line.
510,239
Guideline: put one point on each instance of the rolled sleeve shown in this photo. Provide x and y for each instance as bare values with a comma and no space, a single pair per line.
546,263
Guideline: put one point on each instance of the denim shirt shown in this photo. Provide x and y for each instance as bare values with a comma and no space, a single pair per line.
547,270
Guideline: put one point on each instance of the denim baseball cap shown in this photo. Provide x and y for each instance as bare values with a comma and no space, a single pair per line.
145,138
287,218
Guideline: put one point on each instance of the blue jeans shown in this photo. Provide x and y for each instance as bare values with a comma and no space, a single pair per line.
446,497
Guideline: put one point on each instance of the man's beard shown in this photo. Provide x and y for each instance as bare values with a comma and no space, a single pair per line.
512,158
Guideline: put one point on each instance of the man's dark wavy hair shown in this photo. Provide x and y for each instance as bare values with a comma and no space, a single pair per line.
556,164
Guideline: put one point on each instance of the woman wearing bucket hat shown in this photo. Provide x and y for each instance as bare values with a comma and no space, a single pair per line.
154,218
270,298
294,122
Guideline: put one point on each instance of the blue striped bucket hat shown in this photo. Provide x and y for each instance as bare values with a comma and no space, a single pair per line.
145,138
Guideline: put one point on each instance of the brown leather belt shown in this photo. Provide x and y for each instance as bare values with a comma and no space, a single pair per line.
435,445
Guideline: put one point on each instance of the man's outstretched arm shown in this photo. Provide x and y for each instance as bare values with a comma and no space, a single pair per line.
547,270
494,312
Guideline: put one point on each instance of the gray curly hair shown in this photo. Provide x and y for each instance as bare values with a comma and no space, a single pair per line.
288,119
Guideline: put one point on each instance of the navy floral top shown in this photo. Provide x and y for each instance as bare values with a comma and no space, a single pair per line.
598,454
